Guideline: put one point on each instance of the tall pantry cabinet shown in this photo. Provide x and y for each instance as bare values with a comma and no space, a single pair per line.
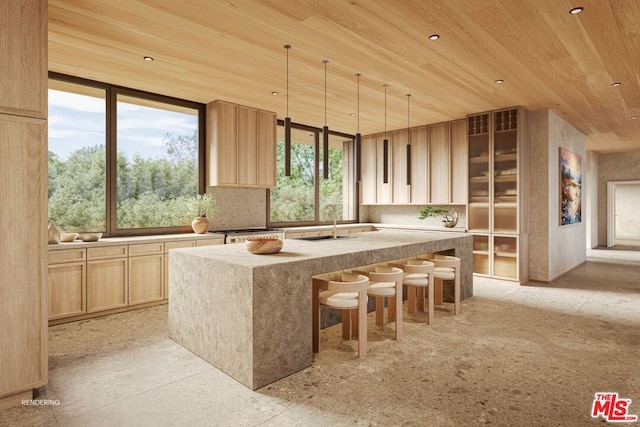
23,211
498,193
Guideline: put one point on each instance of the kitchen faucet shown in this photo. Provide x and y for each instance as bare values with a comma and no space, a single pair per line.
333,208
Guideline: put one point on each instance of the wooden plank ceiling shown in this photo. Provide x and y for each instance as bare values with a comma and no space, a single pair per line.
233,50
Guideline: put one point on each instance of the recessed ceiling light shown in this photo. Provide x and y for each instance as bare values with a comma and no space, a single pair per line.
275,93
634,117
576,10
616,84
147,58
352,114
434,36
499,81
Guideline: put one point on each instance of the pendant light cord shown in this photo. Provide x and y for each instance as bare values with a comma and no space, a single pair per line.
325,91
358,105
385,111
408,122
287,46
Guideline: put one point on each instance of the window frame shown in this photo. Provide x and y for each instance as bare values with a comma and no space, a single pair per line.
353,185
111,156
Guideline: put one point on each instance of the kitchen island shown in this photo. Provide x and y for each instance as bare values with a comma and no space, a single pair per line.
251,315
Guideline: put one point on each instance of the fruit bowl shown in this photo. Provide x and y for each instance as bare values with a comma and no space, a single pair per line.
68,237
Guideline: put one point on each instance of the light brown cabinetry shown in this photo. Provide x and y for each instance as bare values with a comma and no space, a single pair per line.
498,192
67,280
438,166
146,273
23,73
23,210
241,146
369,167
107,278
420,165
439,163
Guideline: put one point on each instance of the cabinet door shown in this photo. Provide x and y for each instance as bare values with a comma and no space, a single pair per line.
459,161
222,147
267,127
23,85
439,163
106,284
368,170
67,289
146,279
419,166
400,189
23,258
247,146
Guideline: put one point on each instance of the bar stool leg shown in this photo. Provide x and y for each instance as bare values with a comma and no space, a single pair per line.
431,296
411,299
457,308
391,308
438,296
420,299
380,311
362,328
346,324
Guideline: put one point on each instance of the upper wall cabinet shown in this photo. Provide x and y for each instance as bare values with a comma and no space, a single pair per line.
241,146
438,166
23,70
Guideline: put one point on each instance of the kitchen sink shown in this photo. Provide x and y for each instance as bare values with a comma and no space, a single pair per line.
313,238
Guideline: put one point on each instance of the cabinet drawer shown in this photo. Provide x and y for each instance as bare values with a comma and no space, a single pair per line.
67,255
209,242
178,245
146,249
107,252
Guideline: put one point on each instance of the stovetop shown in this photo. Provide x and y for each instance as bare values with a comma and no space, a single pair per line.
246,230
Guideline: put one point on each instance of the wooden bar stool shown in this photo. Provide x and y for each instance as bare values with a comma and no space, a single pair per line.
418,275
385,281
446,268
349,295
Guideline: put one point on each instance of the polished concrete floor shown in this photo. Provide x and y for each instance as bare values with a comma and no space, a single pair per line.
530,355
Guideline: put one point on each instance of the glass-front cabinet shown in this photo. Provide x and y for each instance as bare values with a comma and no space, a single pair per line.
497,192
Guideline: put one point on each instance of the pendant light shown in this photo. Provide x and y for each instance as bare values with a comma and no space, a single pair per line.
385,144
408,143
287,126
325,129
358,142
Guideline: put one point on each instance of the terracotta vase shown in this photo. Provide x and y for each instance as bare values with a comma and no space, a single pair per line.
200,225
53,233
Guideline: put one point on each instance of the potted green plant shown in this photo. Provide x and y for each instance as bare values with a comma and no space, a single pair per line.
202,205
449,215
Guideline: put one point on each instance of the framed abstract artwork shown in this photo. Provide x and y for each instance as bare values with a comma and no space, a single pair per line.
570,187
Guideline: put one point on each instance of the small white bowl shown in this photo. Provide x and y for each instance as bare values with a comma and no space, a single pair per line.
68,237
89,237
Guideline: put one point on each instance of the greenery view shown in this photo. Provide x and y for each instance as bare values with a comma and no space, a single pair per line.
150,192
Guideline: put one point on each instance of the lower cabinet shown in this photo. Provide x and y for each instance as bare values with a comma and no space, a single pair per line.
146,273
84,282
67,289
107,278
496,256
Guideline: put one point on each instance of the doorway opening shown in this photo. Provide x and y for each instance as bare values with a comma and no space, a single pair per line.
623,222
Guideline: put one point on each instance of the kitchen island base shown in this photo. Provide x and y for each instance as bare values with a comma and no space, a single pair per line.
251,315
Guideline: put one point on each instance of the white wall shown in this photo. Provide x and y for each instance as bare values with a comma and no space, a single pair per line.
592,200
553,249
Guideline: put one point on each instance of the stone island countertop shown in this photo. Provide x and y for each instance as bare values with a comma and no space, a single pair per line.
251,315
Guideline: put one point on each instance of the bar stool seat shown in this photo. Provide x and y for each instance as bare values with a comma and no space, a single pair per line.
446,268
348,294
385,281
418,275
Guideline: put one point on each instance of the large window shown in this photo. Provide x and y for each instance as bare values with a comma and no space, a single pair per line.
121,161
302,197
